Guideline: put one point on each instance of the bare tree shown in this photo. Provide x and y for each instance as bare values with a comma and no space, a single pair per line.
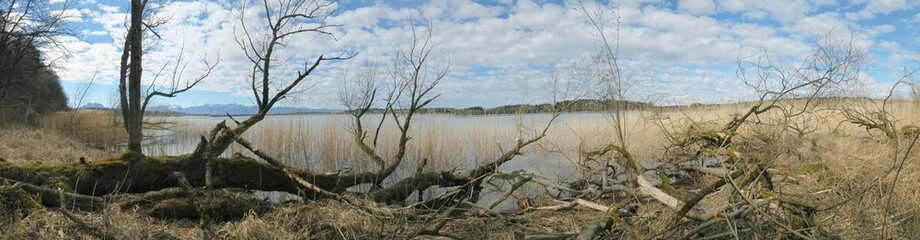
605,73
284,21
835,62
413,78
409,86
878,115
133,105
28,27
28,23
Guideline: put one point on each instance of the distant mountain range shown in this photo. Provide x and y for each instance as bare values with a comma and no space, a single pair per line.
221,109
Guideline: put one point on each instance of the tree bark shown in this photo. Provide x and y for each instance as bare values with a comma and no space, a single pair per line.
134,87
130,79
134,173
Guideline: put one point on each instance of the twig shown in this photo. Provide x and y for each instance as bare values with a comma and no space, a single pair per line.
508,193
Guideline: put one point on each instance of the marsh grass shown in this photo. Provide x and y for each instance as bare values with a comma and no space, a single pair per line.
832,161
44,145
96,128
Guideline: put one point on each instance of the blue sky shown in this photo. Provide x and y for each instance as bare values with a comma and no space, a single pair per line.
501,52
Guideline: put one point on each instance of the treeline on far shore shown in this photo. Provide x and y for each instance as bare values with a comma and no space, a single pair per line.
581,105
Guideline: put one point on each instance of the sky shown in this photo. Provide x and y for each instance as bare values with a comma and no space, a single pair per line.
500,52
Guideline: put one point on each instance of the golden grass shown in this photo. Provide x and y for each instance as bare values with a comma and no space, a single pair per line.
830,162
43,145
96,128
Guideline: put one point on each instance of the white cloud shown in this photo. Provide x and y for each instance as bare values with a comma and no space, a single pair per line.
780,10
461,10
70,15
873,8
698,7
497,52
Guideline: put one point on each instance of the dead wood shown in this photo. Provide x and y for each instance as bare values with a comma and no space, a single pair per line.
58,199
510,191
84,227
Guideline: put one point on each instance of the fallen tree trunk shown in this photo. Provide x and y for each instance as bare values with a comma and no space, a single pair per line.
53,198
134,173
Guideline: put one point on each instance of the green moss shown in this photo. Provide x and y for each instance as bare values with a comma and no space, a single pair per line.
173,209
16,203
224,206
26,226
132,156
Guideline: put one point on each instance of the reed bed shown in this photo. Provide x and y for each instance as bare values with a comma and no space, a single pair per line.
96,128
830,159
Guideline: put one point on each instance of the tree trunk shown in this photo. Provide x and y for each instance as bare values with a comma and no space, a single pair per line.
135,173
219,143
135,117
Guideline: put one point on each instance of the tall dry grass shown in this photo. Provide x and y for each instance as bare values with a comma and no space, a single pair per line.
829,161
44,145
821,156
97,128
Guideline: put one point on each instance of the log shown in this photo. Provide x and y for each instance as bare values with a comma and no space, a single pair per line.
176,203
657,194
132,173
135,173
53,198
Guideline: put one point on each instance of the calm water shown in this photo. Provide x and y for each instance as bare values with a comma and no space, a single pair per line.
449,142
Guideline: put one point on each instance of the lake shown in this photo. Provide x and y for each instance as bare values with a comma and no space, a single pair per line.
325,143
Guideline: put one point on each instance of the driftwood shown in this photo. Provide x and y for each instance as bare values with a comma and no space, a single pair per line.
657,194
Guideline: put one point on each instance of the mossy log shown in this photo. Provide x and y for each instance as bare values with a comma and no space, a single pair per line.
175,203
134,173
55,199
16,202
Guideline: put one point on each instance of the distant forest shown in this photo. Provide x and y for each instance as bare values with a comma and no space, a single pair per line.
581,105
28,87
